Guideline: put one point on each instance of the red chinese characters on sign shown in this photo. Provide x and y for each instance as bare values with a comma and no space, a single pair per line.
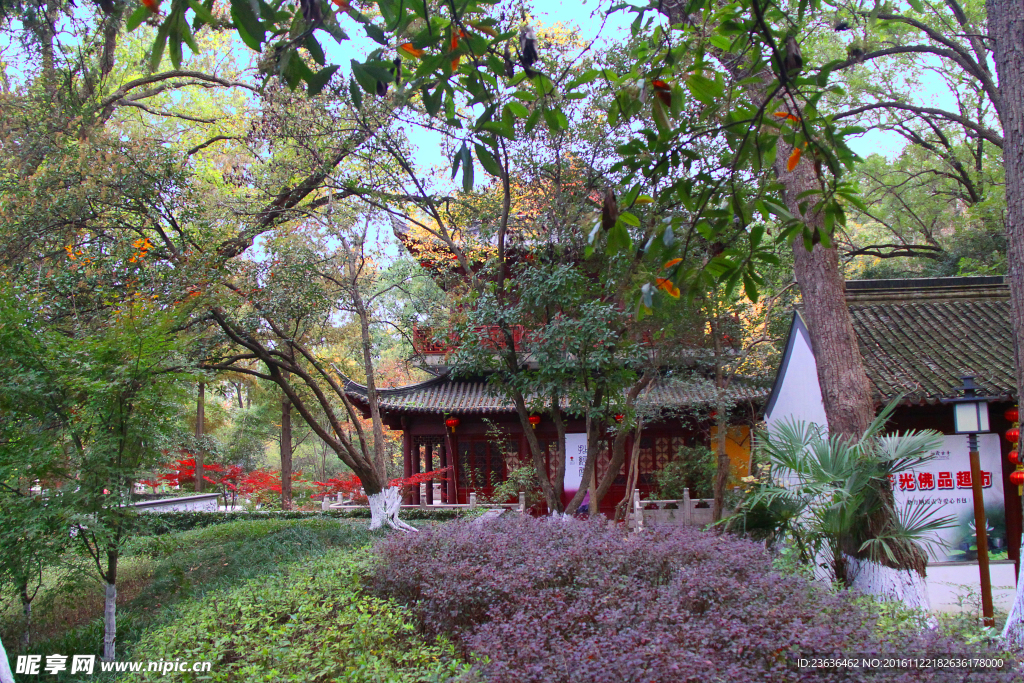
963,480
925,481
945,480
907,481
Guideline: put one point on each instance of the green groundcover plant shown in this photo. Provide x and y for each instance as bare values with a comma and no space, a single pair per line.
308,624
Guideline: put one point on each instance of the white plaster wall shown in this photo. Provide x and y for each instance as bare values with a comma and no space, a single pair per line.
799,396
947,581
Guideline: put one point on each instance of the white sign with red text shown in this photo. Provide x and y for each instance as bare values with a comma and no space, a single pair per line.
575,461
944,484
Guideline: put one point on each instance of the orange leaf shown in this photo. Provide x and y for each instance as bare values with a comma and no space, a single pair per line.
408,49
794,159
669,264
455,43
786,115
342,4
152,5
666,286
455,63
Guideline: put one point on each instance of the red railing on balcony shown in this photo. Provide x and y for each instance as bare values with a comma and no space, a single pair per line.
425,342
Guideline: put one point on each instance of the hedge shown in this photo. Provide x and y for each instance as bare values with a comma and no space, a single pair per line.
167,522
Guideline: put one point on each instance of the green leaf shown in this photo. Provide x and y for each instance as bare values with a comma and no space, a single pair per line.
376,33
916,4
750,287
457,161
158,47
704,89
532,122
356,92
136,18
321,78
432,101
250,29
587,76
202,13
721,42
552,120
315,51
629,219
488,161
518,109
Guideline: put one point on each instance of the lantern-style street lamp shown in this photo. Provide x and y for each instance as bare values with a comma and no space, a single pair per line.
970,416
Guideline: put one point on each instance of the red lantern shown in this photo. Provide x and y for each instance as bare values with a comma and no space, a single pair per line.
452,423
1013,435
620,418
1013,457
1017,478
534,421
1011,415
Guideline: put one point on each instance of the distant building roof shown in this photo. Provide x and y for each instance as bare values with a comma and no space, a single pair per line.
444,394
917,337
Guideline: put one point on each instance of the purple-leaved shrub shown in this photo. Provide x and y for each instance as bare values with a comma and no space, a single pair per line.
536,601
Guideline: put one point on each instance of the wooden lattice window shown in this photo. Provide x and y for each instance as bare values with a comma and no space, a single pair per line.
482,461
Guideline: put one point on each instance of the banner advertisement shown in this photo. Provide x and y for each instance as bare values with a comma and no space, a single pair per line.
575,461
944,486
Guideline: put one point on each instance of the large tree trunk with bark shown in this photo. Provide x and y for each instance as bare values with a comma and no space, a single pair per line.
845,389
1006,28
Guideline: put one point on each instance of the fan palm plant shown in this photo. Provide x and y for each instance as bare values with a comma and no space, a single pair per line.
823,495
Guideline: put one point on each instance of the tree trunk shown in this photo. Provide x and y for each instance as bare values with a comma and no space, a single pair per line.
384,508
1006,28
110,608
6,676
286,453
200,423
26,606
109,621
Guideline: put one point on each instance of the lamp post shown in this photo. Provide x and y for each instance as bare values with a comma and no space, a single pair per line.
970,416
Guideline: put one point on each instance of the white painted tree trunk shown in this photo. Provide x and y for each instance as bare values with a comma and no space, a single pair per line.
384,509
1013,632
109,622
5,667
903,585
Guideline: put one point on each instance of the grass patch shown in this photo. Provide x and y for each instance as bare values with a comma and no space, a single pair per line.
307,624
161,576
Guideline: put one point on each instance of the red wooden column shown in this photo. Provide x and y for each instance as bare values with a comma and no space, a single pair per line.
428,466
442,457
453,473
406,453
415,470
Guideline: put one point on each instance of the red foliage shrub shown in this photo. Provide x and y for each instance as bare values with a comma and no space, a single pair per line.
549,602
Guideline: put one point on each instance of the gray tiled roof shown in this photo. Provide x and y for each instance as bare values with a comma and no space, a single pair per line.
446,395
918,337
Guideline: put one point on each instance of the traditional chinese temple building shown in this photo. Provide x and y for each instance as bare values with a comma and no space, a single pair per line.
918,337
488,440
